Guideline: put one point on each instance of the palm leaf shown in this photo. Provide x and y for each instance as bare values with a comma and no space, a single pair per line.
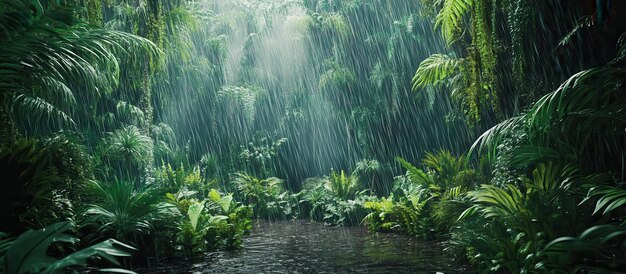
450,18
107,249
43,48
611,198
435,69
491,138
498,202
120,211
621,49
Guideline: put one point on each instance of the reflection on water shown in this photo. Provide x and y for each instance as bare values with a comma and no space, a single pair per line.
307,247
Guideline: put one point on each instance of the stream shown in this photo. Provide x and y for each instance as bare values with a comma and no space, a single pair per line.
309,247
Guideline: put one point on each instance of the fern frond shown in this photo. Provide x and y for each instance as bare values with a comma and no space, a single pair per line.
415,174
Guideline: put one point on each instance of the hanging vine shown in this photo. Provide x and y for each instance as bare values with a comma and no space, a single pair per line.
483,40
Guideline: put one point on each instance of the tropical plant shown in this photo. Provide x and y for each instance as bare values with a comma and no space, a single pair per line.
437,68
119,210
28,253
555,122
125,154
30,197
544,208
190,238
237,216
450,18
333,199
425,203
345,212
260,153
265,196
44,45
409,216
211,224
370,176
341,185
600,247
180,180
443,172
313,199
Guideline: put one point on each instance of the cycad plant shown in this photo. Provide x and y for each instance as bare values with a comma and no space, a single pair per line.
119,210
125,154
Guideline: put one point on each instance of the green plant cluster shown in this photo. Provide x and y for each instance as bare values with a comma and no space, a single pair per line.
425,202
266,196
337,199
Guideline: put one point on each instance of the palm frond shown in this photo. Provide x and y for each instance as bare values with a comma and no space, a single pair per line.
611,198
583,22
589,96
43,46
38,109
450,18
550,177
491,138
498,202
435,69
120,211
415,174
621,49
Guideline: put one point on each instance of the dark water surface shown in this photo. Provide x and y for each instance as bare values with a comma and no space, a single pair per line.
308,247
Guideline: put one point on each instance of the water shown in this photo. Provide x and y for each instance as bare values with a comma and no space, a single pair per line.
308,247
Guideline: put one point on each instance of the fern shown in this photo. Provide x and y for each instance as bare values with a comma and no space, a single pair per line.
415,174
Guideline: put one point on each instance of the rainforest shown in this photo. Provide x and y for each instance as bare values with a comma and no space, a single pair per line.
312,136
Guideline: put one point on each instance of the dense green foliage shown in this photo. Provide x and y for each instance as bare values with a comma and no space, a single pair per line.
163,128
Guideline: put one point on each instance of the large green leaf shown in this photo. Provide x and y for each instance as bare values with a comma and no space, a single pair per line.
194,213
108,249
224,201
28,252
